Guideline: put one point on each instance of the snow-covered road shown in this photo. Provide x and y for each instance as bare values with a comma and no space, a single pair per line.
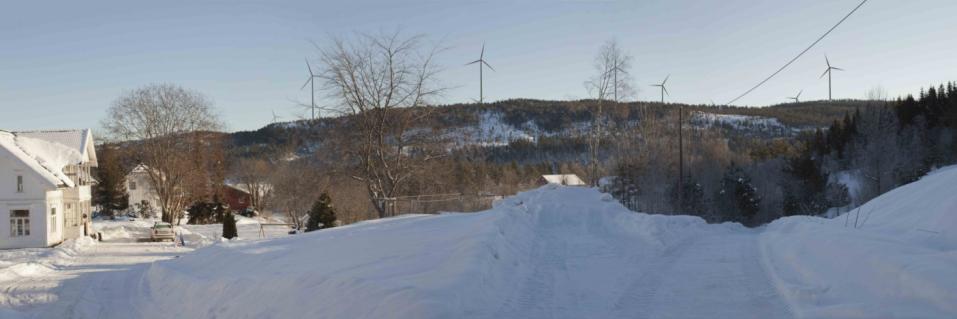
714,276
96,284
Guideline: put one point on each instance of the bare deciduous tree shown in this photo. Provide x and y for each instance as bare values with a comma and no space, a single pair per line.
295,187
253,175
382,83
164,125
613,81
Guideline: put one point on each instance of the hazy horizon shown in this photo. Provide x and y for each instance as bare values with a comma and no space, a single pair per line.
61,65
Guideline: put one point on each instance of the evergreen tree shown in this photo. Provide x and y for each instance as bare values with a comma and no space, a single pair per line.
229,226
322,215
109,193
693,201
738,198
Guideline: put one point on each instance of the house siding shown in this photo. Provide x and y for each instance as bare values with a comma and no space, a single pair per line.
40,198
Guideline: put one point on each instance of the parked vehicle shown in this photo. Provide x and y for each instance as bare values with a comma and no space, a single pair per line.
162,231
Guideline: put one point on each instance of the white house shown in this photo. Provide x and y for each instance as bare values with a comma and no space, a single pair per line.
45,187
562,179
140,188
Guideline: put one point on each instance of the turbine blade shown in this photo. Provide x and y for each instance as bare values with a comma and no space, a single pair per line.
666,79
827,61
307,83
482,55
489,66
310,68
825,73
837,68
474,62
666,90
799,94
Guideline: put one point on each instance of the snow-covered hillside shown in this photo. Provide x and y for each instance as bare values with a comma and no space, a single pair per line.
742,123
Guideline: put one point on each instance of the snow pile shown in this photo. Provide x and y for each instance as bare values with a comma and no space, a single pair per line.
902,253
446,266
22,263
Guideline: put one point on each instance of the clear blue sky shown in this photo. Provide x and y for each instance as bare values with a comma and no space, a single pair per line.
63,63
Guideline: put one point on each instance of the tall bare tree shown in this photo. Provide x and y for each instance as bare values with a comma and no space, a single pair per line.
165,126
253,175
383,82
612,80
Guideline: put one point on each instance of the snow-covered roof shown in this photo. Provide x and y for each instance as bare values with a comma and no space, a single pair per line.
45,158
78,140
263,188
564,179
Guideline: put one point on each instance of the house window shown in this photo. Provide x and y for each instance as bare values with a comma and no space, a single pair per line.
19,183
53,220
132,186
19,223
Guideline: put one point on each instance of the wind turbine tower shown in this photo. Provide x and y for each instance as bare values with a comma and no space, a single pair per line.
311,81
681,156
482,64
664,90
796,98
828,73
275,118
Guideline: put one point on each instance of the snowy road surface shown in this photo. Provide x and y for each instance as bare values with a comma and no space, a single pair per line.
97,284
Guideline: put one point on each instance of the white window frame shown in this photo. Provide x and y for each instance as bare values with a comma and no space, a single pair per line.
19,183
19,225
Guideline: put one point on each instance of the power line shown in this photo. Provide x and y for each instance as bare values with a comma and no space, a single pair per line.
799,54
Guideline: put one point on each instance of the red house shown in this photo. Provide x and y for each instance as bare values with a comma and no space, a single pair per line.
237,199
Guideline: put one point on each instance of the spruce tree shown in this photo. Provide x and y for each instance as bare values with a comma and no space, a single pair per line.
322,215
229,226
109,193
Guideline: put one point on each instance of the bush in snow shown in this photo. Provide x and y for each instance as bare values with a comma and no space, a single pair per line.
322,215
207,212
737,198
145,210
229,226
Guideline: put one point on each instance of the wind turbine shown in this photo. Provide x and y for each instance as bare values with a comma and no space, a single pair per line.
312,84
681,156
482,64
828,73
664,90
275,118
616,69
796,98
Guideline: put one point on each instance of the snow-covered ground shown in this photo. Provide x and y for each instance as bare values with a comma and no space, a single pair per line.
554,252
742,122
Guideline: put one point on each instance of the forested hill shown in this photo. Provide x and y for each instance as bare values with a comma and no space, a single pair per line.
525,120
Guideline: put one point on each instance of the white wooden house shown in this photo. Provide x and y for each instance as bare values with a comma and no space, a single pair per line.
45,187
140,188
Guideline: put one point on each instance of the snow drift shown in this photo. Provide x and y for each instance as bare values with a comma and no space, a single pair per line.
561,252
422,266
899,261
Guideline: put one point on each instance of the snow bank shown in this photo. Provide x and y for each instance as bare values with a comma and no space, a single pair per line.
903,253
420,266
22,263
